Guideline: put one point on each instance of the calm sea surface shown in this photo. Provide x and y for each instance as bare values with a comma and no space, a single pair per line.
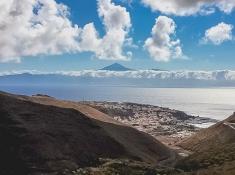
216,103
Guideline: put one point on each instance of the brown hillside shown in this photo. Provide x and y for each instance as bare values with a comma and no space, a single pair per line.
216,135
213,149
42,134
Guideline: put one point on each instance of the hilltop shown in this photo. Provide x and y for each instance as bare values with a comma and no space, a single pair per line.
213,149
41,134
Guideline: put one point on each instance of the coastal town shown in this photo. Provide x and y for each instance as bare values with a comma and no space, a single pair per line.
167,125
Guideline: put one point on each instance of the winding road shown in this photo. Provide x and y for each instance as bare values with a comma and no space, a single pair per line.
231,125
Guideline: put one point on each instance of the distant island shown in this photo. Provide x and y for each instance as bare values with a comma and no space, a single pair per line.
116,67
117,74
120,67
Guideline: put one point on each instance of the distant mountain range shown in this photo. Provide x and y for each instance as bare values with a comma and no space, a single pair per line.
116,67
117,74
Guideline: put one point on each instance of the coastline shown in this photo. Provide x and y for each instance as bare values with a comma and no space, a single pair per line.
167,125
191,101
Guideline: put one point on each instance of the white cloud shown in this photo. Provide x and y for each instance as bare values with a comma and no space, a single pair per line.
117,23
33,27
139,74
190,7
160,45
218,34
36,27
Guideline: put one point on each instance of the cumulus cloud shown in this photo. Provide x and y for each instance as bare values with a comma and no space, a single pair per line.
117,23
190,7
218,34
32,27
160,45
36,27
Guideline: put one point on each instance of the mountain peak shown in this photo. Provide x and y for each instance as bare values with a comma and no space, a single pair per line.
116,67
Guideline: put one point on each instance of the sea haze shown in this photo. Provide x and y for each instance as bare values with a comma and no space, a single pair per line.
216,103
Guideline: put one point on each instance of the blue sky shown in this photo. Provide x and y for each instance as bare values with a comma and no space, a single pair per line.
199,52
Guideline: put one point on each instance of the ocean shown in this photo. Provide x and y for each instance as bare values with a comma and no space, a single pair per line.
216,103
